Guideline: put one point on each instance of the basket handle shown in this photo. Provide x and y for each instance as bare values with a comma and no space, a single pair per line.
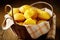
40,2
12,11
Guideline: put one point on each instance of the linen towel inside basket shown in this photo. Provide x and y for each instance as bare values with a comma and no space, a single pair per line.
38,30
35,31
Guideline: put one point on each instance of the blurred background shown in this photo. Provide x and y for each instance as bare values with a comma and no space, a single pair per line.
18,3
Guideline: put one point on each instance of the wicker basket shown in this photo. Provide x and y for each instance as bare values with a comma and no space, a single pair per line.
21,30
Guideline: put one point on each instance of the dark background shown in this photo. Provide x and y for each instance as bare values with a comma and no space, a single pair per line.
18,3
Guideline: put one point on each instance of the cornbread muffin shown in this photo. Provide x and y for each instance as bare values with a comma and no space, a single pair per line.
20,23
43,15
15,10
40,21
24,8
30,21
19,17
30,13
